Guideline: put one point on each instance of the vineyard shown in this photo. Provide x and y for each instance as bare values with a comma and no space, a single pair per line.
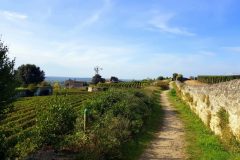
19,122
217,79
123,85
113,118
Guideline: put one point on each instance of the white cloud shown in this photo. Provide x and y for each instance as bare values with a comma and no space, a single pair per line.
161,22
10,15
207,53
235,49
92,19
95,16
77,58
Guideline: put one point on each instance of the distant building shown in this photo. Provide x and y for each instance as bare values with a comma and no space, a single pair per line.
74,84
90,89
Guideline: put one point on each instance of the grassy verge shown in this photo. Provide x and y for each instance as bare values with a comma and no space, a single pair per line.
132,150
202,144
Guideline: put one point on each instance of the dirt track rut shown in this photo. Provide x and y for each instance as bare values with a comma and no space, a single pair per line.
169,141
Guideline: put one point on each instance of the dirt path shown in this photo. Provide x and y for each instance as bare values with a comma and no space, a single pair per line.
169,142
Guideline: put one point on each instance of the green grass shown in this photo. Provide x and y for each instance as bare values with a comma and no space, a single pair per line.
202,144
132,150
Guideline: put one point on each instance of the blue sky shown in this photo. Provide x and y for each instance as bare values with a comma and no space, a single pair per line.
127,38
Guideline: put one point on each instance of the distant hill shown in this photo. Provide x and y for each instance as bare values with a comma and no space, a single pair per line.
62,79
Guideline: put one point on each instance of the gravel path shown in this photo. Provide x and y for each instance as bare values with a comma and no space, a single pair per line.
169,142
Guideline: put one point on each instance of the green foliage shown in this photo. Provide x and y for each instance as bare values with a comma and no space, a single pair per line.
134,84
174,78
224,118
7,78
227,136
56,86
55,120
97,78
164,85
189,98
133,149
147,80
160,78
114,118
18,134
30,73
217,79
3,146
44,84
179,77
114,79
32,87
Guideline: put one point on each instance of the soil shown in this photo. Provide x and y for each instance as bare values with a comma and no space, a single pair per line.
169,142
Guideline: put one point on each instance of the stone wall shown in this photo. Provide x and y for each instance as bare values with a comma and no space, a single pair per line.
209,100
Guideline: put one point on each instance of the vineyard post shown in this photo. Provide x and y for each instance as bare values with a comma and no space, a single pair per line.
85,119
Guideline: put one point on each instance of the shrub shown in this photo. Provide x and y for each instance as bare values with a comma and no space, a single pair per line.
3,146
160,78
163,85
227,136
180,77
217,79
114,117
174,77
97,78
56,87
55,121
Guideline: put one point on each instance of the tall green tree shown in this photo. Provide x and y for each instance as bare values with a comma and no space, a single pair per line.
30,73
7,77
114,79
97,78
179,77
160,78
174,77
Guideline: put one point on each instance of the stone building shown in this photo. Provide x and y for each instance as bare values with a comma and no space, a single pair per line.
74,84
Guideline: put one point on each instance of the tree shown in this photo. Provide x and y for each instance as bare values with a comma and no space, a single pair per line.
179,77
192,78
174,78
160,78
114,79
97,78
7,77
30,73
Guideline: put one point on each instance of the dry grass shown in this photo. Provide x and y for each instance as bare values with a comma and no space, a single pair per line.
163,84
195,83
